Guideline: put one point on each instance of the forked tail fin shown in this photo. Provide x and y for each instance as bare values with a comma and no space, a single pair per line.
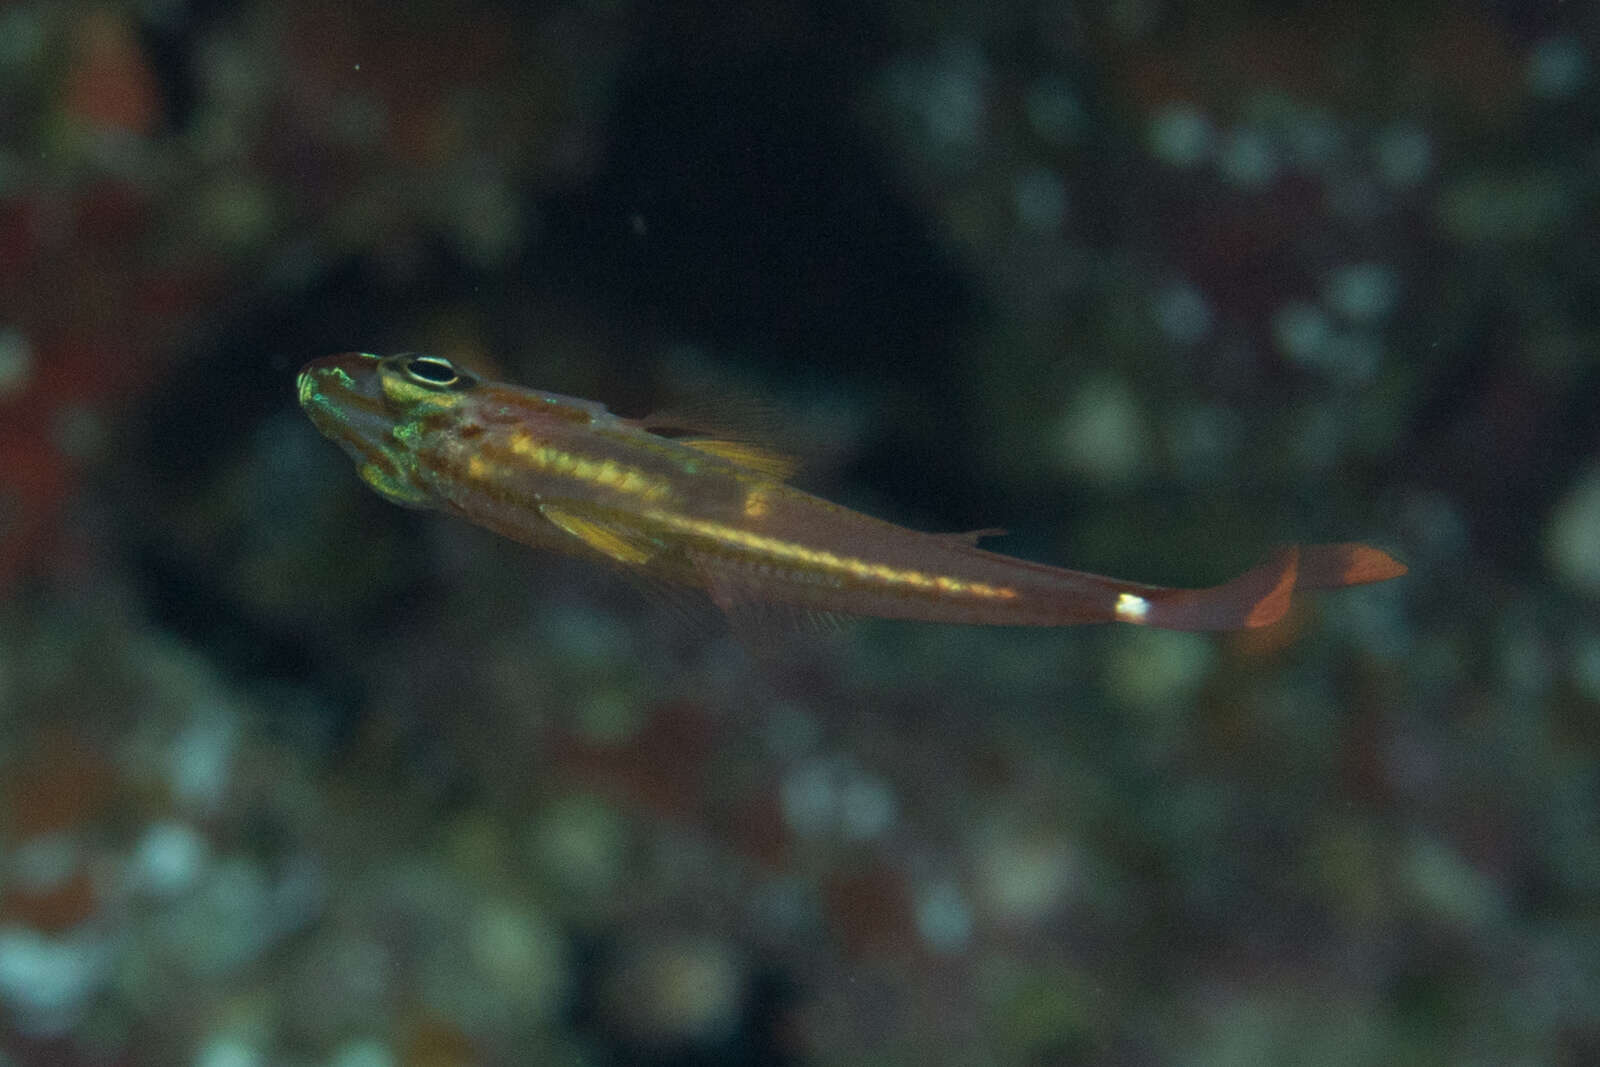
1348,563
1260,596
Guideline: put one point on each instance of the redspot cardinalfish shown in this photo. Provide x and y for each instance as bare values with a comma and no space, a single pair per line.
719,514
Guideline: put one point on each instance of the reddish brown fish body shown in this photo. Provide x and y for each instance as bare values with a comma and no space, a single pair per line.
566,474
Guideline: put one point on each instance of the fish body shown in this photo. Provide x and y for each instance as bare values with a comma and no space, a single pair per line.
566,474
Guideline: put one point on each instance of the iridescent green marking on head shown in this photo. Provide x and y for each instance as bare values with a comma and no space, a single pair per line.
313,393
340,375
414,388
408,433
377,413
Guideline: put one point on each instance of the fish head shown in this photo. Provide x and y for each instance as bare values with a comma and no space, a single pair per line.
376,407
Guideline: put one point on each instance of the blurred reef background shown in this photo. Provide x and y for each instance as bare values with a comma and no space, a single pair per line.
289,775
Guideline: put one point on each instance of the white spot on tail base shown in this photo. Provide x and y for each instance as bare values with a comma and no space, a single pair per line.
1131,608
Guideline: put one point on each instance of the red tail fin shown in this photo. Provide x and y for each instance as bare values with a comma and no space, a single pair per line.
1258,597
1336,566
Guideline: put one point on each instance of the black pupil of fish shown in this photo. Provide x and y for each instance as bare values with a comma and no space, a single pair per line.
433,371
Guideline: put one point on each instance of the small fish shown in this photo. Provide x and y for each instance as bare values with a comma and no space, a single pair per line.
556,472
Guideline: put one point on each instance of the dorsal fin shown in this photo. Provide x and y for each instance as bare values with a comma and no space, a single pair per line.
969,538
754,457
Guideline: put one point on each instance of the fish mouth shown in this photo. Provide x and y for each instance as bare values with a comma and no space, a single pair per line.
344,399
348,373
306,388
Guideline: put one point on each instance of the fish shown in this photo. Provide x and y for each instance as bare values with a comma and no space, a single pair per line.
664,499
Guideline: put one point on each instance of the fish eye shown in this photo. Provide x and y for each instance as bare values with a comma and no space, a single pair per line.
434,372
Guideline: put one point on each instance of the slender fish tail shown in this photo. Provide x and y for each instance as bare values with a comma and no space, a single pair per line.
1347,563
1260,596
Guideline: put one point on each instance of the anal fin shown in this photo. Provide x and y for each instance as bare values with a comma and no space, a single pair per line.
756,618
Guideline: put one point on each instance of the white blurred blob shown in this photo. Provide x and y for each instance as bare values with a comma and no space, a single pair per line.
676,989
1023,877
363,1052
1306,336
45,981
168,859
1182,314
1101,434
515,947
1557,68
943,918
1363,292
1572,535
1404,154
229,1051
823,797
200,761
1444,883
1158,669
944,93
582,843
866,807
1301,331
1181,136
1247,158
1315,142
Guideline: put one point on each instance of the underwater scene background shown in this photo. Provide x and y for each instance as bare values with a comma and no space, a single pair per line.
290,775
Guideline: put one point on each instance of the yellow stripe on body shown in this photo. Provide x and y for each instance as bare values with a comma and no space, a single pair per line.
797,554
606,473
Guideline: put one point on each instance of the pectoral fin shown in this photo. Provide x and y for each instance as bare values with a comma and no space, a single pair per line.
619,542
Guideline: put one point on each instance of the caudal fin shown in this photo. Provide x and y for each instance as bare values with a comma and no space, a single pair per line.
1260,596
1348,563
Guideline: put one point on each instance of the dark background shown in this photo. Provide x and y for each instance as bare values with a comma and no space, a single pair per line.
291,775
